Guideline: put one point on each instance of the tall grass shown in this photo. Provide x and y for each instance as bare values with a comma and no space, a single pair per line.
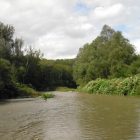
118,86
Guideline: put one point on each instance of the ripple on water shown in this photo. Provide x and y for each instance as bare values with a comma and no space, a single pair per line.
71,116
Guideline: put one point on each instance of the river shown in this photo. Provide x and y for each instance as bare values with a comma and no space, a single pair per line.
71,116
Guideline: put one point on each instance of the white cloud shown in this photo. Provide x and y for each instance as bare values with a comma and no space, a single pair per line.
108,12
136,42
58,30
94,3
58,45
4,7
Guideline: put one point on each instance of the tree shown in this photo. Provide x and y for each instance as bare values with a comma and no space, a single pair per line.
109,55
7,85
6,41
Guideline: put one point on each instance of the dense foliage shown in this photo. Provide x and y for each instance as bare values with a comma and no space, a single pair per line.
117,86
56,73
110,55
23,70
15,64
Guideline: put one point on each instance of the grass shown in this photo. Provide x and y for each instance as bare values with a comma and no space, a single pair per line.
116,86
47,95
64,89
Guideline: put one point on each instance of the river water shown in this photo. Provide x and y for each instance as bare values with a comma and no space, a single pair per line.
71,116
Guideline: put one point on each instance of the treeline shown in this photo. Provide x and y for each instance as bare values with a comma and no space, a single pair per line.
109,56
55,73
23,69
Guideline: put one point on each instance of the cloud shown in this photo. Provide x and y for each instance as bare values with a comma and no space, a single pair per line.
4,7
108,12
136,42
59,28
54,45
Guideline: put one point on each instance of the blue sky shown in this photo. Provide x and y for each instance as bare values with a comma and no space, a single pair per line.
82,8
122,27
60,27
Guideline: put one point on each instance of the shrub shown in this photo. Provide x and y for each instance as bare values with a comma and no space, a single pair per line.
45,96
118,86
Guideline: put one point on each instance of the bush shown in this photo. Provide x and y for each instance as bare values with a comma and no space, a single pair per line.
45,96
118,86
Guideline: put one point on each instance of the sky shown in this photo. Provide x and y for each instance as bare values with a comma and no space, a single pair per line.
58,28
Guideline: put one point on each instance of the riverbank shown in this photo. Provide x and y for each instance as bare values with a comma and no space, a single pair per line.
65,89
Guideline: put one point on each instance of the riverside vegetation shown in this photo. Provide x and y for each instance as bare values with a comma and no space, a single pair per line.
107,65
47,95
116,86
24,72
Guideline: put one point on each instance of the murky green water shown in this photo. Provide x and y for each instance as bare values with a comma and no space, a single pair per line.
71,116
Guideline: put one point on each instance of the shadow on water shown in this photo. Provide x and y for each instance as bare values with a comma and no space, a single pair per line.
17,100
2,102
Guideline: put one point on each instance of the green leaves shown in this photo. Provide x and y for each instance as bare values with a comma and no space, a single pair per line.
117,86
45,96
108,56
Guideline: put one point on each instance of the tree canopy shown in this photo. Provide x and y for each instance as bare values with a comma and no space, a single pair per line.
109,55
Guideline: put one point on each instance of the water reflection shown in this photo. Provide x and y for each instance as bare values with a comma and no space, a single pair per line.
61,121
109,117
